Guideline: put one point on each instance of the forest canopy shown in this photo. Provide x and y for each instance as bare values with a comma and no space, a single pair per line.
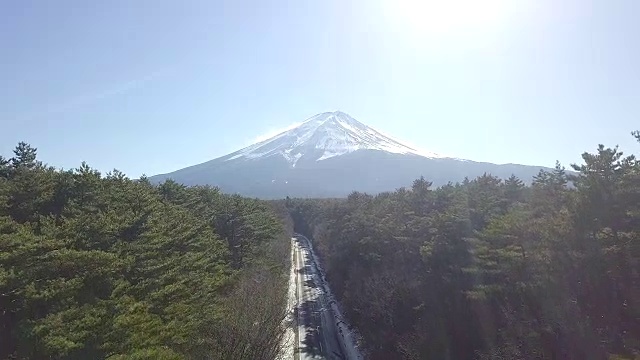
99,266
490,268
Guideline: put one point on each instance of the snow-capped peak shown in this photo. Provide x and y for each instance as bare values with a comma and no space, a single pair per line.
325,136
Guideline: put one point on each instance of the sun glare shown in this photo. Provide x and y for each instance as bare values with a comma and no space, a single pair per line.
435,18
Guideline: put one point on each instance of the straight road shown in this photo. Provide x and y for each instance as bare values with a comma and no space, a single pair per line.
317,335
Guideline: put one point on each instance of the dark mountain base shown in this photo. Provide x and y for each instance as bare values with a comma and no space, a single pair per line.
369,171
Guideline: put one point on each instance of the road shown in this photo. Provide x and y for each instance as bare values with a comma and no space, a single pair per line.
318,336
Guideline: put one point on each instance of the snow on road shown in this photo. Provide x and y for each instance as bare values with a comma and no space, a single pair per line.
315,326
290,322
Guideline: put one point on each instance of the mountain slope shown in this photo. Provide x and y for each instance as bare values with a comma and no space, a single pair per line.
332,154
322,137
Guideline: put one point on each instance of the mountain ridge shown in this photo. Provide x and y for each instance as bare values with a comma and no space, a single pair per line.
335,133
332,154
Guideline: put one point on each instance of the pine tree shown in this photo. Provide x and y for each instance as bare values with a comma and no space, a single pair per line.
4,167
24,156
514,190
98,267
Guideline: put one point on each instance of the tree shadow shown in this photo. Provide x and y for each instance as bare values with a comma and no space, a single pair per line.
311,283
314,342
306,312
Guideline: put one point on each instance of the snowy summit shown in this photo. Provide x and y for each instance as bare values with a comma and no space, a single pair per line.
331,155
324,136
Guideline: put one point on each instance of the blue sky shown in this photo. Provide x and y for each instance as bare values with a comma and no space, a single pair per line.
154,86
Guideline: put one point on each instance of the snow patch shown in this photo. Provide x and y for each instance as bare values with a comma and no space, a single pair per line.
329,154
328,135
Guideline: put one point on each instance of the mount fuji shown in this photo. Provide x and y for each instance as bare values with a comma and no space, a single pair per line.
322,137
330,155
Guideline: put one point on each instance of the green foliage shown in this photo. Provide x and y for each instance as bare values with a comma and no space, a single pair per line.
490,269
97,267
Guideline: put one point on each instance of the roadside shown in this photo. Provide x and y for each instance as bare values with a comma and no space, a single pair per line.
314,326
290,323
347,337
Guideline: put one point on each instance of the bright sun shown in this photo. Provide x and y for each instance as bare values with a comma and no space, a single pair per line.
436,18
